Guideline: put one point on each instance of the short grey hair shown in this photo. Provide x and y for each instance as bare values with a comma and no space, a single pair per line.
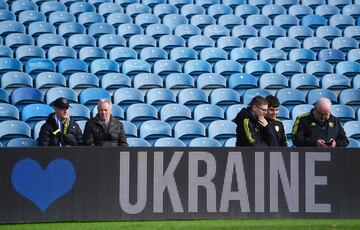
323,102
102,101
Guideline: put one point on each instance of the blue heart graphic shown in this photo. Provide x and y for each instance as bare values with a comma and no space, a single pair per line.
43,186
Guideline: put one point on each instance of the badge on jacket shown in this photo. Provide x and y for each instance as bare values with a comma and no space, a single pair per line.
277,128
331,124
313,124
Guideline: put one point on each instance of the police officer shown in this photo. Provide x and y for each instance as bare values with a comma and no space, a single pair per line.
278,138
318,128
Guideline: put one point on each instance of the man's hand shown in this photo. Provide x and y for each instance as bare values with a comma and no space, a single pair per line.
262,121
333,144
321,143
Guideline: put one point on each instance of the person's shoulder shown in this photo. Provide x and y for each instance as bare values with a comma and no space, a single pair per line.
303,116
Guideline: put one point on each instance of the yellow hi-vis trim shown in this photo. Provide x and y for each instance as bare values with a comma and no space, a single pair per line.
56,131
297,121
247,131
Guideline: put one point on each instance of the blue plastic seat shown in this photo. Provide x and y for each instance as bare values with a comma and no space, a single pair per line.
48,7
166,67
351,10
117,112
328,32
313,21
24,96
98,29
89,18
319,68
146,81
37,128
257,68
300,32
344,44
140,112
288,68
46,41
206,3
244,10
218,10
133,67
137,142
190,10
100,67
335,82
29,16
161,10
13,129
141,41
201,20
288,127
8,112
343,112
304,82
67,3
77,8
185,31
38,65
327,11
244,32
178,81
299,11
227,67
97,3
183,54
298,110
204,142
273,81
286,21
59,53
240,82
56,92
341,21
348,68
121,54
172,113
79,81
22,5
353,143
212,54
251,93
6,15
230,142
90,96
192,97
199,42
259,3
174,20
352,129
331,55
4,96
168,142
58,17
272,10
116,19
5,52
206,113
127,96
31,114
350,97
272,32
14,80
26,52
272,55
339,3
222,130
258,43
210,81
228,43
197,67
136,8
9,64
168,42
243,55
77,41
233,110
109,41
130,129
89,54
152,54
159,97
257,21
302,56
47,80
22,142
127,30
290,97
154,129
146,19
352,32
10,27
315,44
114,81
187,130
224,97
286,43
316,94
35,29
70,66
107,8
67,29
157,30
230,21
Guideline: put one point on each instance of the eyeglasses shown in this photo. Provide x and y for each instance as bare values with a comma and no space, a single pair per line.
322,115
264,110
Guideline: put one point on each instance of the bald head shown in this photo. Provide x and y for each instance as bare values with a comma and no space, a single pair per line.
322,109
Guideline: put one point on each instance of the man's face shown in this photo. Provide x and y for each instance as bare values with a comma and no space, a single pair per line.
260,110
322,113
61,113
272,112
104,111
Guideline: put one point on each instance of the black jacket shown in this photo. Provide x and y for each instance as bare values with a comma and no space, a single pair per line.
249,132
73,137
307,130
95,133
278,137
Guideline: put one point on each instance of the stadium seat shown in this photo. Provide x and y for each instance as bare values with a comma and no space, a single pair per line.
152,54
117,112
130,129
157,30
35,29
257,21
352,129
210,81
230,142
56,92
244,10
127,96
348,68
109,41
316,94
302,56
192,97
107,8
326,11
26,52
77,41
190,10
45,41
300,32
154,129
286,43
98,29
69,66
89,54
313,21
87,19
24,96
159,97
328,32
298,110
230,21
58,17
90,96
146,81
166,67
227,67
344,44
121,54
172,113
343,112
224,97
288,126
212,54
243,55
29,16
67,29
137,142
216,31
350,97
127,30
169,142
257,68
179,81
13,129
273,10
22,5
114,81
351,10
332,56
288,68
13,80
229,43
199,42
5,52
48,7
168,42
80,81
341,21
31,114
138,42
304,82
133,67
222,130
18,39
356,82
8,112
197,67
187,130
244,32
140,112
273,82
258,43
335,82
146,19
10,27
185,31
241,82
318,68
290,97
286,21
79,112
272,55
6,15
22,142
204,142
100,67
352,32
37,65
233,110
206,113
77,8
137,8
9,64
353,143
116,19
315,44
161,10
59,53
251,93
